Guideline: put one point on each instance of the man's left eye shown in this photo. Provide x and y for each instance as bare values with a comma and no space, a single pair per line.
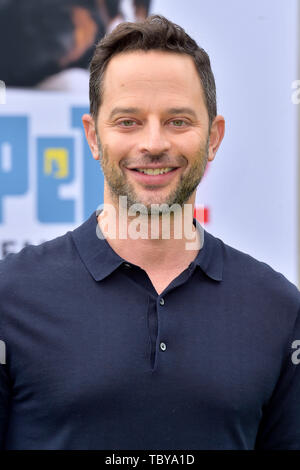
178,122
127,122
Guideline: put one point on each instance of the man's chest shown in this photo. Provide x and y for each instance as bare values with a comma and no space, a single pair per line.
144,349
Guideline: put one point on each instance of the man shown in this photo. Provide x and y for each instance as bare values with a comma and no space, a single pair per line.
133,333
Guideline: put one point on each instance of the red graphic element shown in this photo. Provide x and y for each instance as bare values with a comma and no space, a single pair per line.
202,214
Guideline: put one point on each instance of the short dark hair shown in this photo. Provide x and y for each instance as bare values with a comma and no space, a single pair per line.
154,33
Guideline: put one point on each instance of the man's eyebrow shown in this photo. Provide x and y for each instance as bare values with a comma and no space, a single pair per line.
123,111
184,110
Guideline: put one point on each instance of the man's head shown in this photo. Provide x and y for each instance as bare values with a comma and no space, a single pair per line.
155,33
152,104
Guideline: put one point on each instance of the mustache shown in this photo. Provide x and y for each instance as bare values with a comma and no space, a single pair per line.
162,159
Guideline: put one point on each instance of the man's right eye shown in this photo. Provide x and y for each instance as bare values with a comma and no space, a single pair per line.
126,123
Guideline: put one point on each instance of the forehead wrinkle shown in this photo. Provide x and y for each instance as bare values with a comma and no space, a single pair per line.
152,81
159,90
126,79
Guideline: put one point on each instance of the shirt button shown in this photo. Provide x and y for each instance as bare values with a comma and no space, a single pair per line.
127,265
162,302
163,346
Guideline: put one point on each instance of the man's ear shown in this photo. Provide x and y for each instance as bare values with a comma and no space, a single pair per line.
90,134
216,135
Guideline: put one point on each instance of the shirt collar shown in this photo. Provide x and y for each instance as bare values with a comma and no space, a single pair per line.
101,260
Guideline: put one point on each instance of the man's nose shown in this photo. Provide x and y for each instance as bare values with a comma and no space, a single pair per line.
154,139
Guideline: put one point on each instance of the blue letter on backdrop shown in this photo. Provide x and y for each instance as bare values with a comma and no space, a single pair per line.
13,157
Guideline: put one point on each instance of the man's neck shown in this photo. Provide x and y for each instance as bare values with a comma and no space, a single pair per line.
163,242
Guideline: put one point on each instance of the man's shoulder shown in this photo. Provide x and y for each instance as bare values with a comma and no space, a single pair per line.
254,276
239,262
32,252
37,261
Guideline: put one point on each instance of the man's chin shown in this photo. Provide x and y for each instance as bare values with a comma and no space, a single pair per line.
153,208
145,204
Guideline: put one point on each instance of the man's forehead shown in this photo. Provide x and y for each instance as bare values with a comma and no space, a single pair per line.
152,64
157,70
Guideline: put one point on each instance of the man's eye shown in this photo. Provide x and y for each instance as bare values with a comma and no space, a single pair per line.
178,122
126,123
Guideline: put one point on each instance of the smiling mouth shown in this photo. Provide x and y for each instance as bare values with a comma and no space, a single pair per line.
154,171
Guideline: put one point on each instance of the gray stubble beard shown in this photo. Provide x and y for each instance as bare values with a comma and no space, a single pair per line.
118,186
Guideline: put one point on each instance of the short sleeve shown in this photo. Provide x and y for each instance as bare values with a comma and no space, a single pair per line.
280,425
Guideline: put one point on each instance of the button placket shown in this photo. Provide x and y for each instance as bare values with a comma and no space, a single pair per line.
162,345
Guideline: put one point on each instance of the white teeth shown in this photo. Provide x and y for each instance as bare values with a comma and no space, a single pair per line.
154,171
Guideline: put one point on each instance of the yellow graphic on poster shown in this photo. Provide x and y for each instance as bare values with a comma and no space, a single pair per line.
56,162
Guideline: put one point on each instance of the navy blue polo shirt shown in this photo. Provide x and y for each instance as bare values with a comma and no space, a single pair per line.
96,359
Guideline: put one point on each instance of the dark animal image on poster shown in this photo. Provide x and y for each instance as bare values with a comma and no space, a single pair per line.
52,41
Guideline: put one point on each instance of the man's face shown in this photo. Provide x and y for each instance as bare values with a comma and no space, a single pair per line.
153,115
